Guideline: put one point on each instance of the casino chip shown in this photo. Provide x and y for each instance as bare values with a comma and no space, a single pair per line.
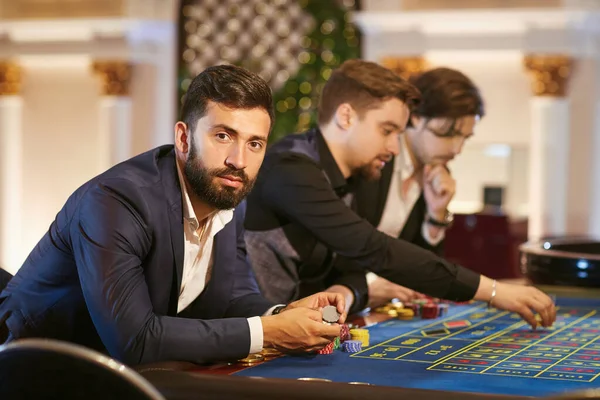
361,335
429,311
269,353
344,332
327,349
406,314
252,359
443,309
352,346
330,314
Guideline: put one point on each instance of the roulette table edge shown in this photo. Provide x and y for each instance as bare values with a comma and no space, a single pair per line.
182,385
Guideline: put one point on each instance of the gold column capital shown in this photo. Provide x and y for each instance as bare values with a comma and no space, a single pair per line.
10,78
405,66
550,73
116,77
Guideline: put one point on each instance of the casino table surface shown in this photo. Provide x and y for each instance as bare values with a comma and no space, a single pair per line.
473,352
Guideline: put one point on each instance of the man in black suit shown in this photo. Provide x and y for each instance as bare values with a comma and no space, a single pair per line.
411,199
147,261
300,216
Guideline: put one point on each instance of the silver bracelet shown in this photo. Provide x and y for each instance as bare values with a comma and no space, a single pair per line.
493,293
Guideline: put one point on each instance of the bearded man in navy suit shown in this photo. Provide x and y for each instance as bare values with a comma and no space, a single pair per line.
147,261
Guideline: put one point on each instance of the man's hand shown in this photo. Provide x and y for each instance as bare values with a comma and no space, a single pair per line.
438,188
298,330
322,299
344,291
523,300
381,291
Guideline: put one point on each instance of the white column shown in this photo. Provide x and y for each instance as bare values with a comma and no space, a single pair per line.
115,131
11,164
165,98
594,225
549,147
115,109
549,167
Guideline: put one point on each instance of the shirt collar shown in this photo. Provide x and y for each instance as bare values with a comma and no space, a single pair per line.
404,164
219,218
341,185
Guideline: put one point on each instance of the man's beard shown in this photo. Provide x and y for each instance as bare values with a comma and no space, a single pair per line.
369,172
202,183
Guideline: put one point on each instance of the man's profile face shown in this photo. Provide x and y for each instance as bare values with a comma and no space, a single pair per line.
375,137
439,140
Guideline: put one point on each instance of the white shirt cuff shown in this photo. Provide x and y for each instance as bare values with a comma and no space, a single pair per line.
256,331
371,276
256,335
428,238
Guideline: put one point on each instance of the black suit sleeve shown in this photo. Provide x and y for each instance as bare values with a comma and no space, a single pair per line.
246,298
298,191
109,238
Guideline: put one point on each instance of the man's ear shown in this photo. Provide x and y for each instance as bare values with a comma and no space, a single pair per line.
344,116
182,139
416,121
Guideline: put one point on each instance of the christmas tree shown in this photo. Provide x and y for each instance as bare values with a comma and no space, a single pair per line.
330,41
333,41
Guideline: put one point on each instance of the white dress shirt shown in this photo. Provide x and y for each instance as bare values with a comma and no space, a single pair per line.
198,260
402,196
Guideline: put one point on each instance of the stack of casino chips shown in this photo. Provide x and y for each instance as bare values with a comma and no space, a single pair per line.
352,346
406,313
428,308
361,335
443,309
337,343
344,332
429,311
327,349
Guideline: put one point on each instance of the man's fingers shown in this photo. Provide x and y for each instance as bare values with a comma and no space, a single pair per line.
404,294
328,331
527,315
544,305
538,307
315,315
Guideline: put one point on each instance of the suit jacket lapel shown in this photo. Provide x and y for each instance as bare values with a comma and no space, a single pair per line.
174,209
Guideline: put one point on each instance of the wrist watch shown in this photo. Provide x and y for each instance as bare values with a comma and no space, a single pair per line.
445,223
278,309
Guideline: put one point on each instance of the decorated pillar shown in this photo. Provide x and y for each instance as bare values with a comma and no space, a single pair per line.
405,66
11,165
549,146
594,209
115,113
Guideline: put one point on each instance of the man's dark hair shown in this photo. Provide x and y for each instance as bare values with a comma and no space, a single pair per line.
231,86
363,85
447,93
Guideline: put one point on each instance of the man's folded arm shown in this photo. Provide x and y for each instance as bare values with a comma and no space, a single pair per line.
298,190
109,240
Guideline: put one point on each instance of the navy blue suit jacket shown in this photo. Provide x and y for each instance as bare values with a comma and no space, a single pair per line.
108,272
